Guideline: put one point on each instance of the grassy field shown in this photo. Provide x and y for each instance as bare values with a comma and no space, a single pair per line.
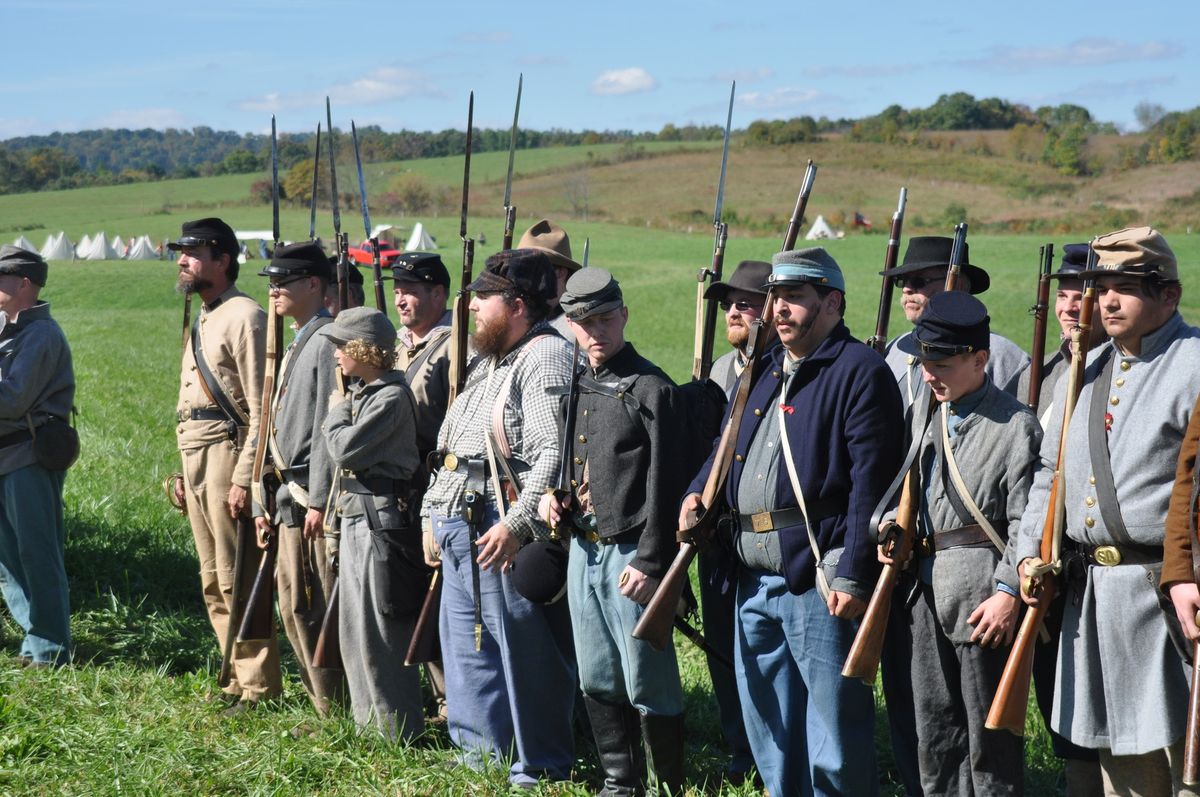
129,716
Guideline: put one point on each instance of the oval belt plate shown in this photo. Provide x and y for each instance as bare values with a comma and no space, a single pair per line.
1107,555
450,462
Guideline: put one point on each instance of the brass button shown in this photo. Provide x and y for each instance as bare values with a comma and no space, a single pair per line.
585,412
758,412
740,458
775,374
910,359
1091,479
1089,522
953,411
583,438
1114,401
574,483
1090,501
1124,365
1120,381
578,461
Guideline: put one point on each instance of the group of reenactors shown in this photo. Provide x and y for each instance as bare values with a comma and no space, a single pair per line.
547,492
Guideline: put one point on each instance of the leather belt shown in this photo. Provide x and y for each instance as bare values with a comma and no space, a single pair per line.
13,438
762,522
596,538
1113,555
298,474
972,536
368,485
450,461
200,415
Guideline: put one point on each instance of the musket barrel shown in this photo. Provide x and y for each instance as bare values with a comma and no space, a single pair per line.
879,339
793,228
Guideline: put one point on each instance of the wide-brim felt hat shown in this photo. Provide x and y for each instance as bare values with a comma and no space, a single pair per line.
749,276
548,237
933,251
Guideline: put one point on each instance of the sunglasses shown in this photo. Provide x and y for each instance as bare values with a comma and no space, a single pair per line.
742,307
918,283
276,287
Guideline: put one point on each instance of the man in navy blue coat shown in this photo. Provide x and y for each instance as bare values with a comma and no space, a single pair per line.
823,416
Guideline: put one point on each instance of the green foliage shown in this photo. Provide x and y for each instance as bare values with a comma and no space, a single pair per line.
1065,149
779,131
1176,137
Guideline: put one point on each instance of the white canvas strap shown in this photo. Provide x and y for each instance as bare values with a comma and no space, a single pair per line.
961,487
822,582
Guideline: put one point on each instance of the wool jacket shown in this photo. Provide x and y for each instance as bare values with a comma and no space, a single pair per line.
633,456
725,371
845,422
430,380
36,378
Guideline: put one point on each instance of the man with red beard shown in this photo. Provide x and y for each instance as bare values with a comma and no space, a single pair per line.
741,298
509,662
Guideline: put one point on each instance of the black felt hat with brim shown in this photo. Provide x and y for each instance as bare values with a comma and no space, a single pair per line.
933,251
953,322
749,276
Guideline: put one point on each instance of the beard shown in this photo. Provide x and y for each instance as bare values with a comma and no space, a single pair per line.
489,336
186,284
737,335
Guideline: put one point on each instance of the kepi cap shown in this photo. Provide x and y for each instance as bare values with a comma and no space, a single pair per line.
589,292
303,259
813,265
23,263
1074,261
208,232
953,322
421,267
1136,252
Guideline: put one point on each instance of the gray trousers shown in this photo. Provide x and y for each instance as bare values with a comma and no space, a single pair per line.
952,686
382,689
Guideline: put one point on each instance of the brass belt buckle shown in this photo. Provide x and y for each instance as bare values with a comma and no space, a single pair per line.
761,522
450,461
1107,555
926,546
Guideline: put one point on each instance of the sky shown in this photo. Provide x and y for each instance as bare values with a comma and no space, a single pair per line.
78,64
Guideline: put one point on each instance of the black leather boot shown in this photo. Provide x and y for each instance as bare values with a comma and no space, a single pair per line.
664,749
615,728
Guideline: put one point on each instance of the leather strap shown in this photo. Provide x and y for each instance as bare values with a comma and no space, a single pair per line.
921,410
959,487
1106,490
212,385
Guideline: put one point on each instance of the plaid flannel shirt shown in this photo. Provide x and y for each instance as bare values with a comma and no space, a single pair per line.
539,361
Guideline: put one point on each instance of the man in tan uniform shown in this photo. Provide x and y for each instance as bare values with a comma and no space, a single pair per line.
229,332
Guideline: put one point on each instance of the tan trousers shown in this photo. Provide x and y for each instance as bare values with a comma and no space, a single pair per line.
303,581
207,475
1158,773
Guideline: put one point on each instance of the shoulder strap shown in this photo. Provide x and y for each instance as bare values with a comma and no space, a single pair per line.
1106,490
920,410
299,343
212,385
501,439
960,486
427,352
822,582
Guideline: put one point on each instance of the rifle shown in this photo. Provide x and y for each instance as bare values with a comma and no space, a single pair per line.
1039,311
376,267
561,489
1191,736
312,200
425,644
878,341
706,310
328,651
257,622
510,210
658,619
461,311
1012,694
239,558
341,243
957,250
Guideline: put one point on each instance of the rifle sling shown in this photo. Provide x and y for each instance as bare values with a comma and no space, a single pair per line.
885,500
212,386
956,491
431,343
1106,490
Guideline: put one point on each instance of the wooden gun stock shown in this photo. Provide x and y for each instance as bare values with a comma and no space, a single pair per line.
658,620
425,645
328,652
258,621
1191,738
245,539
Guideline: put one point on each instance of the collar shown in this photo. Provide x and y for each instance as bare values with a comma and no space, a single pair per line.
619,365
965,405
1156,341
322,313
389,378
406,337
229,293
540,328
827,349
39,311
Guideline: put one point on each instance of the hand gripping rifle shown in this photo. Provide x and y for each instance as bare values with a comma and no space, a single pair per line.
1012,694
706,309
658,619
878,341
424,645
341,242
510,210
257,621
1039,311
376,266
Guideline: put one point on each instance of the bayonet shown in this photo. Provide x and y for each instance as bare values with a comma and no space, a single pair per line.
706,309
376,267
510,210
274,184
460,313
587,245
312,201
340,243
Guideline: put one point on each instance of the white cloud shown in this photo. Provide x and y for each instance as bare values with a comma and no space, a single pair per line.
624,81
1081,52
136,119
778,99
380,85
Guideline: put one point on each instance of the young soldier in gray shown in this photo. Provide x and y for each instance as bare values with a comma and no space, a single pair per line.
629,435
37,387
1122,685
230,334
510,674
371,436
921,275
977,455
299,275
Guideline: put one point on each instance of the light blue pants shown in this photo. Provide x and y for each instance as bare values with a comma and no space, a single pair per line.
613,666
33,578
811,730
515,697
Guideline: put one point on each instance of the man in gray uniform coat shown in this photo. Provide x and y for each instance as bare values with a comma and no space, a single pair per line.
1122,685
37,387
299,275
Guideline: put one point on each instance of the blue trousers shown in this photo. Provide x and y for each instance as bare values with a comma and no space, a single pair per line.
515,697
613,666
717,610
33,578
811,730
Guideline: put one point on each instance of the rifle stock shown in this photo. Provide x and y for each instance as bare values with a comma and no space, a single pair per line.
1191,738
328,651
425,645
258,621
878,341
235,616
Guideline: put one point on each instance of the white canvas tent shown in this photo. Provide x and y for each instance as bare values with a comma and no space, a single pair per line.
58,247
820,230
98,249
84,244
142,249
119,247
24,243
420,240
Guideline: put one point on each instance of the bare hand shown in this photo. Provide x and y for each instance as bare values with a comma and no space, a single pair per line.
995,620
690,510
433,553
314,524
263,527
177,490
1034,599
845,605
1186,597
497,546
551,510
637,586
237,501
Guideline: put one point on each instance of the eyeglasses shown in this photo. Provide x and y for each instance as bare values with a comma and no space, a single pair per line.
918,283
276,287
742,307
